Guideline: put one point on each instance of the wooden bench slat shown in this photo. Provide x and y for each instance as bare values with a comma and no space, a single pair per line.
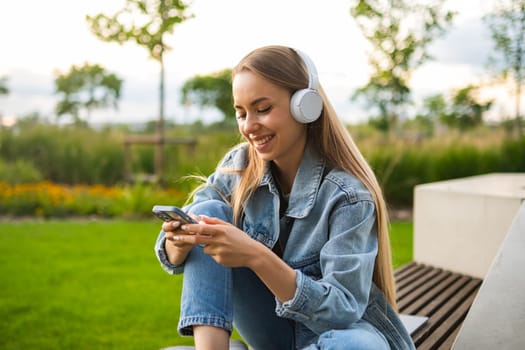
451,324
410,302
449,341
413,282
415,278
439,316
438,302
438,308
405,269
424,280
443,296
408,273
412,306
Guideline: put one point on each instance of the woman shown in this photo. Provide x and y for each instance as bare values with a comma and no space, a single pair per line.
292,242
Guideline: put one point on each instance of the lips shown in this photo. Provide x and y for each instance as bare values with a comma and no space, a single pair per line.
261,141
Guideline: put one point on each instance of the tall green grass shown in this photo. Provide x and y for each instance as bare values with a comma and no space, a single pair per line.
96,285
400,161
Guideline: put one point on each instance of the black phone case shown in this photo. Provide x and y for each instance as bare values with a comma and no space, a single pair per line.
168,213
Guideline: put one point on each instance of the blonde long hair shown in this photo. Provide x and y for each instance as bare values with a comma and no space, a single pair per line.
283,67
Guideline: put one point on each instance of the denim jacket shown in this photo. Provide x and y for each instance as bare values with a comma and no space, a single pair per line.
332,243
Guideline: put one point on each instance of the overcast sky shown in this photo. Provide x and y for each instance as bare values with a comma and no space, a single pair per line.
38,38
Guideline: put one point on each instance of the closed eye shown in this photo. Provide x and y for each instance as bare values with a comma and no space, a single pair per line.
264,110
242,115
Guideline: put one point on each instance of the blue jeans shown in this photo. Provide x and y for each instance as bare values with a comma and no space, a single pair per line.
218,296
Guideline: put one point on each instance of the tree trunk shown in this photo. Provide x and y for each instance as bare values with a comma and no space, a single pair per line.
159,154
519,131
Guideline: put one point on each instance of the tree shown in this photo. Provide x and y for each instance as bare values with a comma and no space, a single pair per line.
507,28
434,109
465,111
87,87
214,90
399,32
4,90
146,22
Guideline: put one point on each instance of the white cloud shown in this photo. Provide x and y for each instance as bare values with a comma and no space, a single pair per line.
436,77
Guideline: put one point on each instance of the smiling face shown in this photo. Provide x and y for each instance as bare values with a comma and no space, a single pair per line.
264,119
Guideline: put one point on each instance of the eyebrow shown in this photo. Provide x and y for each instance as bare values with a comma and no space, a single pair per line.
254,102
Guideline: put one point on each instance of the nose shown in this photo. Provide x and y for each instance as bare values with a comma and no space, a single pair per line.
250,124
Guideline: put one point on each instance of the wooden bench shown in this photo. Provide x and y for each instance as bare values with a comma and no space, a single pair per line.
443,296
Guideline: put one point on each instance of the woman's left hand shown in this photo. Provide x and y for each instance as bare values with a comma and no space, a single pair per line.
224,242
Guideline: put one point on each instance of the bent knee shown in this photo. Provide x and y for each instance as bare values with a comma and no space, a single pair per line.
213,208
362,336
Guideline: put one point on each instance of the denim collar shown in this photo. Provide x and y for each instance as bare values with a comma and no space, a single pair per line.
306,183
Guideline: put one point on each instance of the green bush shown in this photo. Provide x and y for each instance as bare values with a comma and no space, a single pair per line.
74,156
511,157
457,161
398,171
66,154
400,167
19,171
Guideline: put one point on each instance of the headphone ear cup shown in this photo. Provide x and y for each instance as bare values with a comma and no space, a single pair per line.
306,105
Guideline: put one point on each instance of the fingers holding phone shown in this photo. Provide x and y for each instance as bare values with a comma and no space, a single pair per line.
174,226
172,231
174,218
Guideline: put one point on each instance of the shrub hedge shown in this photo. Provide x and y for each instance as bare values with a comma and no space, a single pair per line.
46,199
76,157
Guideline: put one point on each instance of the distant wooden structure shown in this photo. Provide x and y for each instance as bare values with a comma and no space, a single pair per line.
159,142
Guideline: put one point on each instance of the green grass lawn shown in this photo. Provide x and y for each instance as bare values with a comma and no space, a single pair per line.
96,285
401,241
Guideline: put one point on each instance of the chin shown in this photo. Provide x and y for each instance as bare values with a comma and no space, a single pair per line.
266,156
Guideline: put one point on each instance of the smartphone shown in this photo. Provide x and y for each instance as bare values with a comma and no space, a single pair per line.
168,213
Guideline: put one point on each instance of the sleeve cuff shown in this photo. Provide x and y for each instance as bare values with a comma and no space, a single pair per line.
160,252
301,306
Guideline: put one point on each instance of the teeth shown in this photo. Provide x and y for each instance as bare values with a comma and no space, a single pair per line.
263,140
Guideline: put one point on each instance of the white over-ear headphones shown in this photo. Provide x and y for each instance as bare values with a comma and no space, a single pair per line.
306,104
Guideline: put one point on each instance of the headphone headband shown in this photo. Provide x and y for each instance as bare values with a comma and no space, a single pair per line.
306,104
313,81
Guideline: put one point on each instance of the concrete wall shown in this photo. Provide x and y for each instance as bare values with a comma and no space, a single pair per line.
460,224
496,319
